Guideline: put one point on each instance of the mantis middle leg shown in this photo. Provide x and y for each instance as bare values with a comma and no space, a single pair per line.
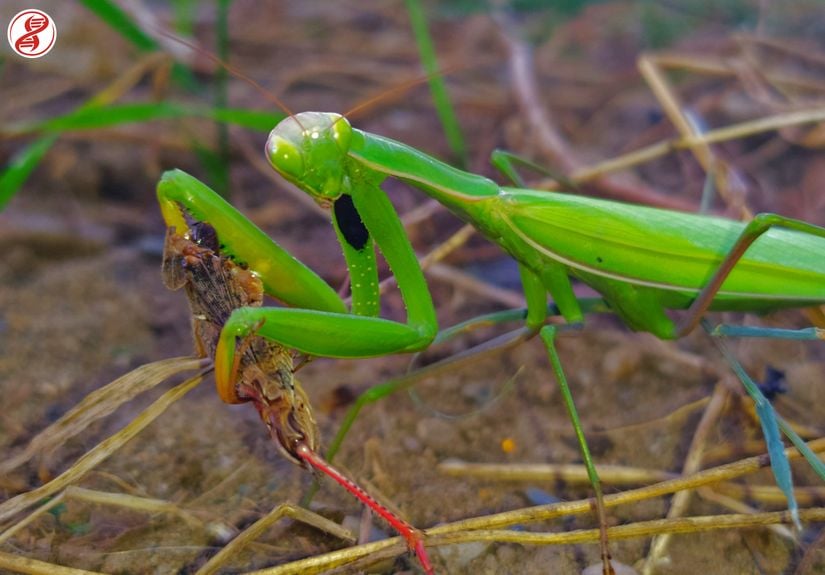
535,292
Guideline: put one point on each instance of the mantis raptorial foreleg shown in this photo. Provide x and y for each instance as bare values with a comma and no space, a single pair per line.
318,324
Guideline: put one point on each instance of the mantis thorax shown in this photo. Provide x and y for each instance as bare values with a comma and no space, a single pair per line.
310,150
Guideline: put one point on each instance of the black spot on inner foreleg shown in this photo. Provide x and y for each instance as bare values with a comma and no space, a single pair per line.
350,224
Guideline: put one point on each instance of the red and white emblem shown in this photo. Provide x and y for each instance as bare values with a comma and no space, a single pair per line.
32,33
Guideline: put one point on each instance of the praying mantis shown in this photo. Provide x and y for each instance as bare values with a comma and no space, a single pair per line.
643,261
311,304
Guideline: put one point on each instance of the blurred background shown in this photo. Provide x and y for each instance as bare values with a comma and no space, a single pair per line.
86,131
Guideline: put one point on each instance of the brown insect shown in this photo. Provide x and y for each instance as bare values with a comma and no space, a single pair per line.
215,286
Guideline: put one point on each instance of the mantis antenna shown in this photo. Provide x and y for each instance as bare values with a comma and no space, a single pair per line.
232,70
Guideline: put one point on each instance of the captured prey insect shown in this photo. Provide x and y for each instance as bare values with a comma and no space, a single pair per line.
618,249
215,286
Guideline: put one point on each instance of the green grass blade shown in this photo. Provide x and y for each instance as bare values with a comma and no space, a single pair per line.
115,17
184,13
107,116
220,166
120,21
21,166
91,118
213,164
258,120
443,107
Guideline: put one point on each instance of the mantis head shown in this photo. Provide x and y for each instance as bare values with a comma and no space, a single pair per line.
310,150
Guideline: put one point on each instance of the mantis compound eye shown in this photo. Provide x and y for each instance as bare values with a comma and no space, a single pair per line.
284,157
341,131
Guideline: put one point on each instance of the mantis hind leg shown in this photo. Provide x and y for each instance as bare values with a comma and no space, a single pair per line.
755,228
808,333
770,421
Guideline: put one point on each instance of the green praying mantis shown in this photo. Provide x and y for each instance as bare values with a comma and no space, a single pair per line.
643,261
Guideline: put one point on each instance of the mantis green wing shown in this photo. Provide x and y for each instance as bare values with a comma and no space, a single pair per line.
629,243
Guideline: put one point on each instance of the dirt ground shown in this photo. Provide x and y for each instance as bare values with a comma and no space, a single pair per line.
82,302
